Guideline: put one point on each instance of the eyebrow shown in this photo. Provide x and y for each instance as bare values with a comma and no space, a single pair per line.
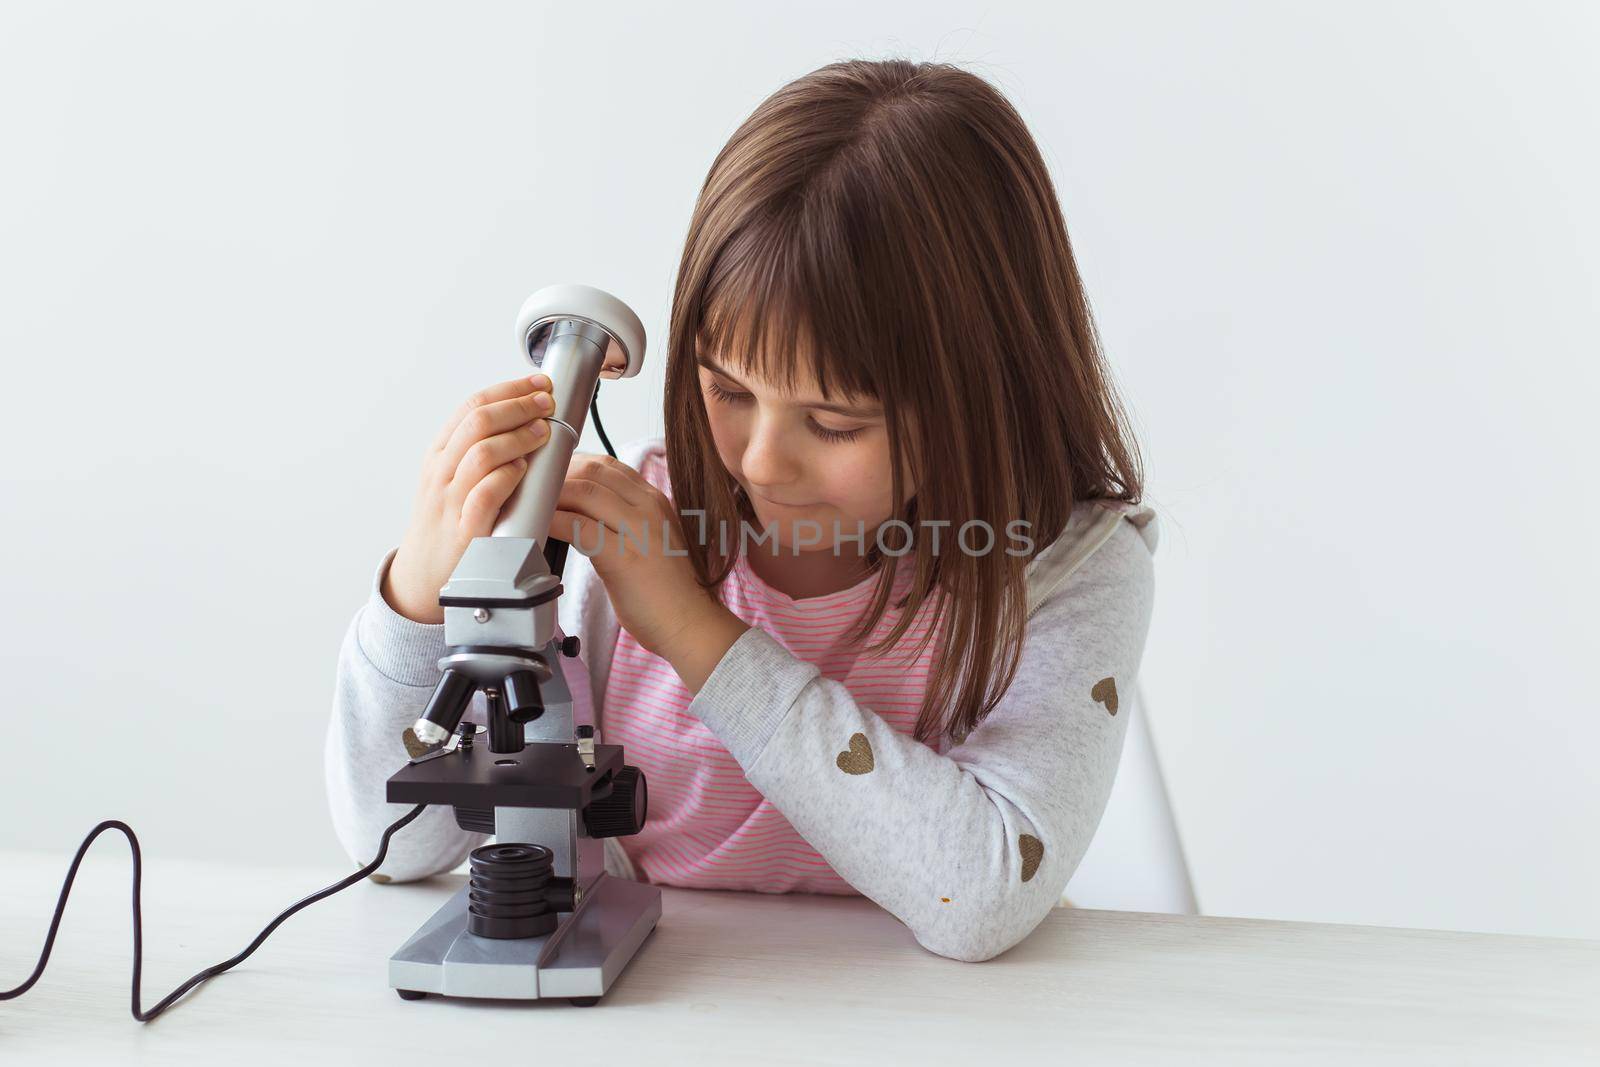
838,409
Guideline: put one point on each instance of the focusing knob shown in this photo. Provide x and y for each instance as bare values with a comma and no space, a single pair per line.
622,812
569,646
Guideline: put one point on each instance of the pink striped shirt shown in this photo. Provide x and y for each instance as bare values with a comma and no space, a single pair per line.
708,827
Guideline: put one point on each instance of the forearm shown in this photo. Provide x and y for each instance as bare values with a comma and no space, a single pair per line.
969,858
970,848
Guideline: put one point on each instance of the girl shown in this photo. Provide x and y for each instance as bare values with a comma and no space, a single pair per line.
908,580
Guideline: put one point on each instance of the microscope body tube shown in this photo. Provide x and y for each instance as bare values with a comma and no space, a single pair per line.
572,360
572,353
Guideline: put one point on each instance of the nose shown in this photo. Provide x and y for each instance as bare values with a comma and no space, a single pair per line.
767,462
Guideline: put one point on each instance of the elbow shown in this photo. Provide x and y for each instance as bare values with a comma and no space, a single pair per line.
965,953
991,916
983,934
973,946
431,844
416,868
439,848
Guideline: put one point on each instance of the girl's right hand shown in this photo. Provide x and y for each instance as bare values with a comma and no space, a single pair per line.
468,474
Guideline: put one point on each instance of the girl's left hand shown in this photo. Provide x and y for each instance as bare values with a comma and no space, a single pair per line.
629,530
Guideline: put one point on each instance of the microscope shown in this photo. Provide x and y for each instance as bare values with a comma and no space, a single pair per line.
539,916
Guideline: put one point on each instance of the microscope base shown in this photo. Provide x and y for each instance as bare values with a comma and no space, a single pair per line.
581,958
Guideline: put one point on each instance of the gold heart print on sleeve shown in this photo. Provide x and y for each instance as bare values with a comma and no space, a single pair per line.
858,759
1032,850
1105,692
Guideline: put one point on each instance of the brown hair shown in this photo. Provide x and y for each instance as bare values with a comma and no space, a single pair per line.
891,227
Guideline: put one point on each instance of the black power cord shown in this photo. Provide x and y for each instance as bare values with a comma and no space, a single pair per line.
594,415
133,844
138,936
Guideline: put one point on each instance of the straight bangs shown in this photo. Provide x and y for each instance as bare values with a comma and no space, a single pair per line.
780,307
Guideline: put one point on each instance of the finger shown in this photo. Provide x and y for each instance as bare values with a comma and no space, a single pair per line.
601,503
616,475
482,506
500,416
588,536
498,401
592,538
505,390
491,452
498,391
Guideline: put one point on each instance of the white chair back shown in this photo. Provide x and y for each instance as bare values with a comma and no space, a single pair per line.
1136,860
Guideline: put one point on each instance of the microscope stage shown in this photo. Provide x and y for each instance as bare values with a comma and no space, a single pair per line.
545,774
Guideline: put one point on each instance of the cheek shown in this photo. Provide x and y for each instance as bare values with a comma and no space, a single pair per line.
723,430
859,482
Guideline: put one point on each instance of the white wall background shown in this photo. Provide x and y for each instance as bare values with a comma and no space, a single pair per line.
1344,259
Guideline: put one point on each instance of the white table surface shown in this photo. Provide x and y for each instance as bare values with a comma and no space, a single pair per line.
753,978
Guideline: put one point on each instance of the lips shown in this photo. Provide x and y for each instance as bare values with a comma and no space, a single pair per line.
768,500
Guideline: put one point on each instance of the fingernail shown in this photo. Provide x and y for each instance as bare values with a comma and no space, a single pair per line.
542,381
544,402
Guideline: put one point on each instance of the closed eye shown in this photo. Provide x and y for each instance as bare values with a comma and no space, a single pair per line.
728,396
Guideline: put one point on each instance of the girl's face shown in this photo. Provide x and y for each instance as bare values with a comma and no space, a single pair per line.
800,457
